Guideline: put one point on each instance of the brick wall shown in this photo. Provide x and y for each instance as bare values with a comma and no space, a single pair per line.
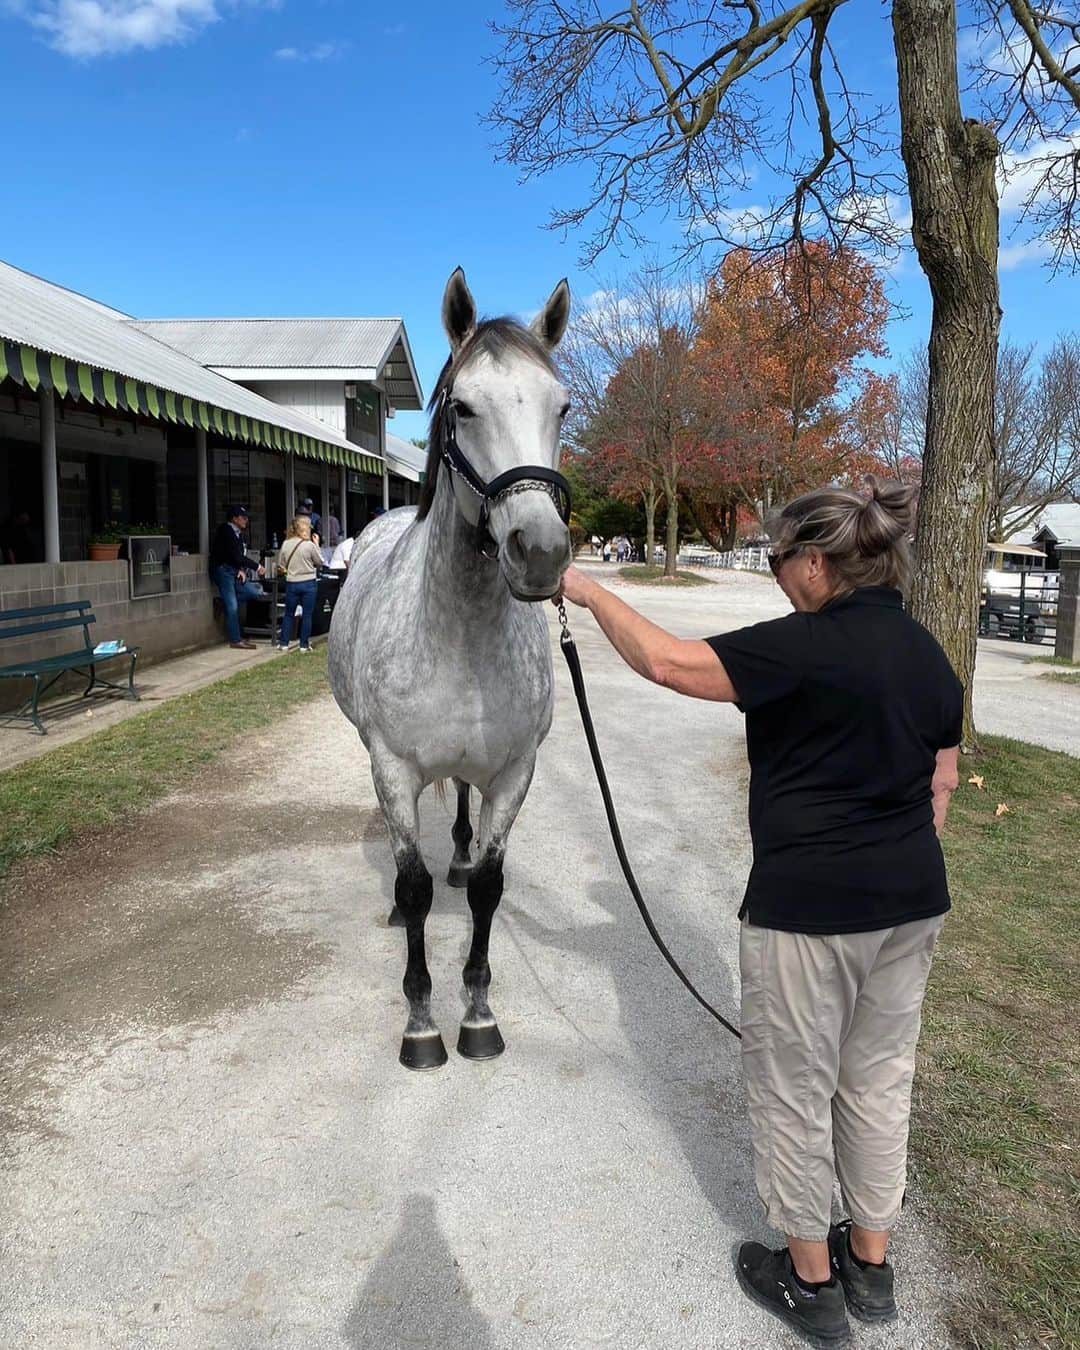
161,626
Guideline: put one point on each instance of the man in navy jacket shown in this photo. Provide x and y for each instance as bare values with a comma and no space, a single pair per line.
229,566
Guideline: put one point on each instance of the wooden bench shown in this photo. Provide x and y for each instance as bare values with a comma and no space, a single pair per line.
45,671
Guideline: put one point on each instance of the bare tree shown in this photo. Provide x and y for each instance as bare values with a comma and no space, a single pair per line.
1036,429
667,101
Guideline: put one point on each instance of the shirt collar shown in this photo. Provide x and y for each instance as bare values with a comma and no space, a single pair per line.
887,597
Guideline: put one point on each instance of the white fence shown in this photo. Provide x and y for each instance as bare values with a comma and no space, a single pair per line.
740,559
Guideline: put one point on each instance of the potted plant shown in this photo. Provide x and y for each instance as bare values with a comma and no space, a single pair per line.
105,543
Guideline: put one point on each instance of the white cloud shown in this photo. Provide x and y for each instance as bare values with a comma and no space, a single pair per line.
89,28
318,51
1013,256
1019,175
85,29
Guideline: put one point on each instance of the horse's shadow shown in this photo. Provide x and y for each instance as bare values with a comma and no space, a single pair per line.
415,1296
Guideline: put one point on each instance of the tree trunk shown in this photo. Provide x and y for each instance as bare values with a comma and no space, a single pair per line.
649,498
950,167
722,542
671,542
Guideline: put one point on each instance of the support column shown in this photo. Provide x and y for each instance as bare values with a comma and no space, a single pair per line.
202,490
324,487
382,451
49,481
1067,641
290,490
343,495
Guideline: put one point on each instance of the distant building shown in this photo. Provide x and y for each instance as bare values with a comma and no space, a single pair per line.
1057,524
111,422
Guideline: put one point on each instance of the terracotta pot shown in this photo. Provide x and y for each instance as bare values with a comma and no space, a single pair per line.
104,552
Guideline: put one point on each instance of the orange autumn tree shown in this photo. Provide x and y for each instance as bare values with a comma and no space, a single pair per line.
784,398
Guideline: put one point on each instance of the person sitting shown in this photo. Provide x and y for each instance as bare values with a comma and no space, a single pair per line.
230,570
301,561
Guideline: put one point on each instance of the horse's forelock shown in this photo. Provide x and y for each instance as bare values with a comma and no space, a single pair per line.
496,338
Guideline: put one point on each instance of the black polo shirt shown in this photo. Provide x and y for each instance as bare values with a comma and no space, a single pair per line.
846,710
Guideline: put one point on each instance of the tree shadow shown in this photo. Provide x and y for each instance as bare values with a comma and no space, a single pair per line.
415,1295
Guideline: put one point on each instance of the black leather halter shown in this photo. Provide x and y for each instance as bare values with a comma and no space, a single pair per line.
521,478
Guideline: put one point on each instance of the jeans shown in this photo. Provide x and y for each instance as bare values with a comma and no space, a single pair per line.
299,593
232,591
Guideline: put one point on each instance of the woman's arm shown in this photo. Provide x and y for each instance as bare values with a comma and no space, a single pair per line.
944,783
688,667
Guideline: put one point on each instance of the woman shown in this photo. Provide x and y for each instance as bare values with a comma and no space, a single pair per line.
302,562
853,723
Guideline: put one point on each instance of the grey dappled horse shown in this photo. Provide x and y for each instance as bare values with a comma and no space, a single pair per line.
436,655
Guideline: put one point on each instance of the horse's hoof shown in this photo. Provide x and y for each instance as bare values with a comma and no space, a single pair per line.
396,919
459,874
425,1051
480,1040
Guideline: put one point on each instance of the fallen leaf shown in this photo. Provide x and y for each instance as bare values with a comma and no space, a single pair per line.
1002,810
979,781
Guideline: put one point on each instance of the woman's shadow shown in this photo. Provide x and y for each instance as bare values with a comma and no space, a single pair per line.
415,1295
688,1066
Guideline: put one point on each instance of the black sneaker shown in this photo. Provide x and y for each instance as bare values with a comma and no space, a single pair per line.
868,1289
769,1279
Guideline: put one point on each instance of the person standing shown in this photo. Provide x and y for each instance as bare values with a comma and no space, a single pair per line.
229,570
853,725
301,561
308,509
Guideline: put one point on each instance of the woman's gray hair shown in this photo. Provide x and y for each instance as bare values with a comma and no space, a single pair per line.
866,539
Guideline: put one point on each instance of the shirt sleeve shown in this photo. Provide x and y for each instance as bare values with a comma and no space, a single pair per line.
766,661
954,715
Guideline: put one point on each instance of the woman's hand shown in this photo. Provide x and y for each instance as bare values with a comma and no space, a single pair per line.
576,587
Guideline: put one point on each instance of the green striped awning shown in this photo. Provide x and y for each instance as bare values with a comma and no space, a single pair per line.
35,370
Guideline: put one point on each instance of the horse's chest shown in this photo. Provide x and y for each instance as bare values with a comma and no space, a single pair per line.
467,709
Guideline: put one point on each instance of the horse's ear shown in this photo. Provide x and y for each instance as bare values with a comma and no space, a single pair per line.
550,324
458,310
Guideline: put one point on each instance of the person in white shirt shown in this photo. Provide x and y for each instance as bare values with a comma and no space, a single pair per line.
339,560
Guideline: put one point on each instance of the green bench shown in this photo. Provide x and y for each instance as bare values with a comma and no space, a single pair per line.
21,623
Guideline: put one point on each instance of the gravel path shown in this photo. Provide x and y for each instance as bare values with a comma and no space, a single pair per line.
210,1142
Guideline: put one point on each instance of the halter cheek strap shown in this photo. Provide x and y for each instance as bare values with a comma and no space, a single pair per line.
521,478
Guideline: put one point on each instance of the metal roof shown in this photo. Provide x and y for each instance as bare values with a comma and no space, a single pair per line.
39,314
256,348
404,458
1061,519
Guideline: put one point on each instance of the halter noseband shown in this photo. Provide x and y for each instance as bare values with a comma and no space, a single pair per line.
521,478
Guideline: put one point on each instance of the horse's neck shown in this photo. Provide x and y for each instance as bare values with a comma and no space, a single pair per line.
456,578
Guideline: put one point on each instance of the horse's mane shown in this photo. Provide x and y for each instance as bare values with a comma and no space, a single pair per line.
494,338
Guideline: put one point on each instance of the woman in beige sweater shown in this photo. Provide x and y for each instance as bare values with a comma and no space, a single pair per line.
301,560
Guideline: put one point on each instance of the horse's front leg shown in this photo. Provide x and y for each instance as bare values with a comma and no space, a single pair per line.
398,786
479,1037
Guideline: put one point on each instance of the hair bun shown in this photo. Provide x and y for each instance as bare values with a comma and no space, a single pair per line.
888,514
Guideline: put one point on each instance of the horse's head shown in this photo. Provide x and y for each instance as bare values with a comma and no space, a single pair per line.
498,407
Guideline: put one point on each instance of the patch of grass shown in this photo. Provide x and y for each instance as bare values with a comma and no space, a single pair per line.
1053,661
1062,676
997,1099
98,781
652,576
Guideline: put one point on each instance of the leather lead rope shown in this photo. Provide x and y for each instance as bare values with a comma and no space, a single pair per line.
570,651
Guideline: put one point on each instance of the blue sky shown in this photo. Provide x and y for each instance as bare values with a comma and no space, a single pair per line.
302,157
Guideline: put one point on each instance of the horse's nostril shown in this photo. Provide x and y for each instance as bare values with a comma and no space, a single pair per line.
514,544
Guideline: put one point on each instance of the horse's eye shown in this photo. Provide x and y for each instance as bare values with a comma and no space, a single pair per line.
462,409
563,411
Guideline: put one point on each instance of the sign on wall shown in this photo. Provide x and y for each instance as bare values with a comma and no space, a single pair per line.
149,556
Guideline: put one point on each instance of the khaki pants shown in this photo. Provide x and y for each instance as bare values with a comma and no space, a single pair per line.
829,1029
